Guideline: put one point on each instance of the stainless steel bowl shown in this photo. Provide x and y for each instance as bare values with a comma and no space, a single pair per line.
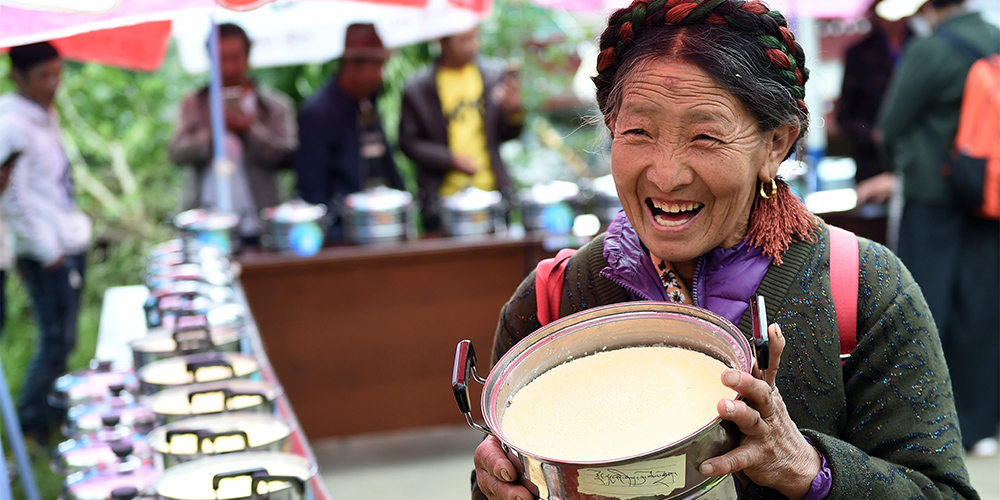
670,470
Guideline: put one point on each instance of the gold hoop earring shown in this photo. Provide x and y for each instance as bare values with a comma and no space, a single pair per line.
774,189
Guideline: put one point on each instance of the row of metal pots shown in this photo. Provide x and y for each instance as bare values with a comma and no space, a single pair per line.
382,214
191,419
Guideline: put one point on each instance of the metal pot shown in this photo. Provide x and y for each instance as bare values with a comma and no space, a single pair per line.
198,437
289,217
90,385
379,215
239,476
539,199
129,473
183,402
209,227
188,337
669,471
471,212
86,453
195,368
119,412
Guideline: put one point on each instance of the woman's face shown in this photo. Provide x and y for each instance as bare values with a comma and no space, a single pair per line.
686,157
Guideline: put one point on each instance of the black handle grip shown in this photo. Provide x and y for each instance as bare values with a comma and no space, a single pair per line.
212,360
212,436
111,420
193,340
216,479
465,360
224,392
180,432
231,394
188,320
296,482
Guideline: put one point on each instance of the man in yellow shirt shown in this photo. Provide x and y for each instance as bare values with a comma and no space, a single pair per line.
455,114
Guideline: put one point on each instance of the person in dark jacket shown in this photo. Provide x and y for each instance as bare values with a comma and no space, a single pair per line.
342,146
455,114
951,253
868,65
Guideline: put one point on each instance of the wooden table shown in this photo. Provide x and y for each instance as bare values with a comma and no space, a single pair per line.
363,337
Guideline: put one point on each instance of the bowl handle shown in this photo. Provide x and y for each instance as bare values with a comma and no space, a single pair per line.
465,367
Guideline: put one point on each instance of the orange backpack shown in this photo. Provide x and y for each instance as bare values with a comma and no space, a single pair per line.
974,163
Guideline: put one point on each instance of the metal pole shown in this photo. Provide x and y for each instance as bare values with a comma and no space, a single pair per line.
222,167
5,493
17,445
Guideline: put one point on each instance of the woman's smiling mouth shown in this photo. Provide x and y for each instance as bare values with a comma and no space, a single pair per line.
673,214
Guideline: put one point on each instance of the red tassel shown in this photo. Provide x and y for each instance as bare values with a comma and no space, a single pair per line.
776,221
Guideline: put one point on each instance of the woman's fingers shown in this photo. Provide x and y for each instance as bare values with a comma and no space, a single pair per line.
496,474
776,345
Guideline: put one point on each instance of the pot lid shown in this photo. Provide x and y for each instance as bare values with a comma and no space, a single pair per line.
472,198
94,417
196,368
293,211
101,484
216,434
87,386
233,476
201,219
213,397
161,341
552,192
378,199
86,453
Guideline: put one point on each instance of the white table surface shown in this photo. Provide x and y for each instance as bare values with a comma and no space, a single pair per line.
122,320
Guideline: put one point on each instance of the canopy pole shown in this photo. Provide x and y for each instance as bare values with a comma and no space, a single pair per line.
222,166
17,445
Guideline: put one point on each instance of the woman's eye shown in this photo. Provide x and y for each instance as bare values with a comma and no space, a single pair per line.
700,137
635,131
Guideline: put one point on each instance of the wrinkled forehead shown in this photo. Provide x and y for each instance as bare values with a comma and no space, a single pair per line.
675,82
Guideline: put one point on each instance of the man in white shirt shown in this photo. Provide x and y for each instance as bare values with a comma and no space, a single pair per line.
51,235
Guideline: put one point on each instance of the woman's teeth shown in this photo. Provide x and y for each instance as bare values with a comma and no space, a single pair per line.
673,214
674,208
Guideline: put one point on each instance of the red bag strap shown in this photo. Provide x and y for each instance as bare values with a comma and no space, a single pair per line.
549,274
844,285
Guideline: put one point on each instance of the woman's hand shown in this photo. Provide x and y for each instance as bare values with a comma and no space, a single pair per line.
772,452
495,473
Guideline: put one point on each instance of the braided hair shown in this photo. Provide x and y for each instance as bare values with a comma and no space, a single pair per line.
747,49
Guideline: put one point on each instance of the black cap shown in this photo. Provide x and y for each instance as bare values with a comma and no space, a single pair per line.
24,57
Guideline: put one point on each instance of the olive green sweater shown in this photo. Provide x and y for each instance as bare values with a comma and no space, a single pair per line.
885,420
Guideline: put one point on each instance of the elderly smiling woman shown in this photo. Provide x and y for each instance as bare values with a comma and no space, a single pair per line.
704,100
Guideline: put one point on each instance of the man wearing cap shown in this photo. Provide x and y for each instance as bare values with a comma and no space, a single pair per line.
51,235
343,148
261,138
455,114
